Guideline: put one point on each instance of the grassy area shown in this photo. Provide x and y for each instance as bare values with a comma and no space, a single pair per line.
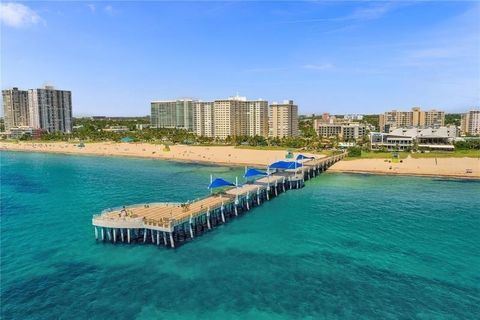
278,148
266,148
446,154
403,155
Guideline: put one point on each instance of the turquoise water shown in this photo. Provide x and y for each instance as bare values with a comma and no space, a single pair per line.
344,247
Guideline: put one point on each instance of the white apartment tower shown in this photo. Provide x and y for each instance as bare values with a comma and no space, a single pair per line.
283,119
50,109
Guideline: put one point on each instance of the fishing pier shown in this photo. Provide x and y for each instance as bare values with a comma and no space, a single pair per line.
170,224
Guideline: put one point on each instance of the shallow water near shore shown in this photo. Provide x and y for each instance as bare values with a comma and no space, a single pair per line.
344,247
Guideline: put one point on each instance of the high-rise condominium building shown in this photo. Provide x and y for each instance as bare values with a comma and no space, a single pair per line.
470,124
283,119
414,118
203,124
15,108
257,118
46,109
50,109
237,116
172,114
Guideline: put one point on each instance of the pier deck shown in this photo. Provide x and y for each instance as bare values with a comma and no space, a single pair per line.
175,222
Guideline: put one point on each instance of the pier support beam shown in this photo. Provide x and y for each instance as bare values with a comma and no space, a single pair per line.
164,238
144,235
172,244
158,238
208,219
128,235
96,233
121,235
103,234
114,235
152,236
236,210
191,227
222,209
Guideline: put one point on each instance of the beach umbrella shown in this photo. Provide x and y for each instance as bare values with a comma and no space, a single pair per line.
302,157
219,182
254,172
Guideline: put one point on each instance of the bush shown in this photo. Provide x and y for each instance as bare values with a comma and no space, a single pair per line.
355,152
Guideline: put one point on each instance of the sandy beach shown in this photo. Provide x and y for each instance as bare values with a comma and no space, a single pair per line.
224,155
228,155
442,167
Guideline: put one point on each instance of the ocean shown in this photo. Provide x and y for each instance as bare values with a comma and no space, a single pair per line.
344,247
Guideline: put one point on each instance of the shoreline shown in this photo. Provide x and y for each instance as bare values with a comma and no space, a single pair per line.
229,156
394,174
455,167
204,162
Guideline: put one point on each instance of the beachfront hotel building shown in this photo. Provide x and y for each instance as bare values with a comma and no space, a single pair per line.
346,131
283,119
172,114
470,123
47,109
15,108
414,118
404,139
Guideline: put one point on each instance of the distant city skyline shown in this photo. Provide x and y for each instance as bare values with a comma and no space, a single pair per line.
337,57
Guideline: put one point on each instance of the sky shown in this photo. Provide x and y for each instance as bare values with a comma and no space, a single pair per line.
339,57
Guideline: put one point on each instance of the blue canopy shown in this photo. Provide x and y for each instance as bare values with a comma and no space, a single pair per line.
302,157
126,139
286,165
254,172
219,182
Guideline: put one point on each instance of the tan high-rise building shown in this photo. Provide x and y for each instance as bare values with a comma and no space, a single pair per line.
470,124
50,109
237,116
15,108
283,119
203,119
414,118
257,118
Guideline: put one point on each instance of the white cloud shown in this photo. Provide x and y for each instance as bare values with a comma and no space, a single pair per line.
108,9
18,15
373,12
321,67
92,7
